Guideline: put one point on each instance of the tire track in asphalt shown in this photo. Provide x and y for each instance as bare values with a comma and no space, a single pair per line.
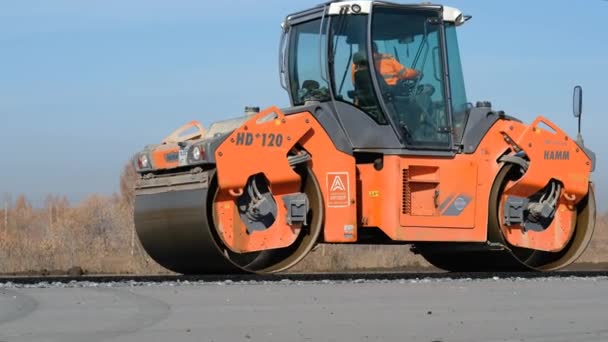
150,311
24,305
586,335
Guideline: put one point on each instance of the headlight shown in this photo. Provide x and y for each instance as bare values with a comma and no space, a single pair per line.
196,153
143,162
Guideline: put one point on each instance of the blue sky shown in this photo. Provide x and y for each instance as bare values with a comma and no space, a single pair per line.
85,84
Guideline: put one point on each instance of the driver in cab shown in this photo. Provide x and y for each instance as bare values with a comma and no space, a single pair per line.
389,68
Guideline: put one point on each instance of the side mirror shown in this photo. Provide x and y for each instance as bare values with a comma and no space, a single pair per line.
577,100
577,108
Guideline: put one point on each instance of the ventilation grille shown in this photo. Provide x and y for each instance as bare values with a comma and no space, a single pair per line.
406,201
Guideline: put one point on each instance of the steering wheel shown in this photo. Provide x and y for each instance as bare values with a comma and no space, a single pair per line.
406,87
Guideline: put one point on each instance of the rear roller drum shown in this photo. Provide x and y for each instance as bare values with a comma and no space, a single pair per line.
456,257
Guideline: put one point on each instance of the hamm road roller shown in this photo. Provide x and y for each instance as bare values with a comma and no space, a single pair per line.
380,146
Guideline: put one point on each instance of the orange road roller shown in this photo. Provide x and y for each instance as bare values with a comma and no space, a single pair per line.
380,146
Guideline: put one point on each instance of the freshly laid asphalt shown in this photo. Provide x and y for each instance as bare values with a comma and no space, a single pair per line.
514,309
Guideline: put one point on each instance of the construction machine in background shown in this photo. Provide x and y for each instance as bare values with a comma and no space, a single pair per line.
361,160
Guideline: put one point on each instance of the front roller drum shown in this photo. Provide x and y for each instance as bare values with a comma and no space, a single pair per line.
176,228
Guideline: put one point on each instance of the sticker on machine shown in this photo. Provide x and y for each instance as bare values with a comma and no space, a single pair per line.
338,189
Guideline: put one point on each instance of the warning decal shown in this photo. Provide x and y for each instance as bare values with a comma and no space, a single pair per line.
338,189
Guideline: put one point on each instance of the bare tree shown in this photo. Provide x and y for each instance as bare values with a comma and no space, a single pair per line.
128,178
7,200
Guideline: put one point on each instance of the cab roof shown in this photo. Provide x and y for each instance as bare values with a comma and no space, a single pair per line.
341,7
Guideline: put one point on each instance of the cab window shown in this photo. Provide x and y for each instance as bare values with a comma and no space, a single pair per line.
307,44
408,64
351,75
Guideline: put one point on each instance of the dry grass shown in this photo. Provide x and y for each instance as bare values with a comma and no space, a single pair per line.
98,236
598,248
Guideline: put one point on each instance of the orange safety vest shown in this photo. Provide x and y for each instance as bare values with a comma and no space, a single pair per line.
390,69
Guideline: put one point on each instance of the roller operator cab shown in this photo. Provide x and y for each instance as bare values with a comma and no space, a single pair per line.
359,53
380,146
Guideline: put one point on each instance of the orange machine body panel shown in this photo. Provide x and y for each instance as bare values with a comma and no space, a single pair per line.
446,199
553,155
161,157
414,198
411,198
261,145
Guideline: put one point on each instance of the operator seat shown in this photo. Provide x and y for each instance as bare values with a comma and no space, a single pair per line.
363,93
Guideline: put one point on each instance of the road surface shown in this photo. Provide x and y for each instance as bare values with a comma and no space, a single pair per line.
545,309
